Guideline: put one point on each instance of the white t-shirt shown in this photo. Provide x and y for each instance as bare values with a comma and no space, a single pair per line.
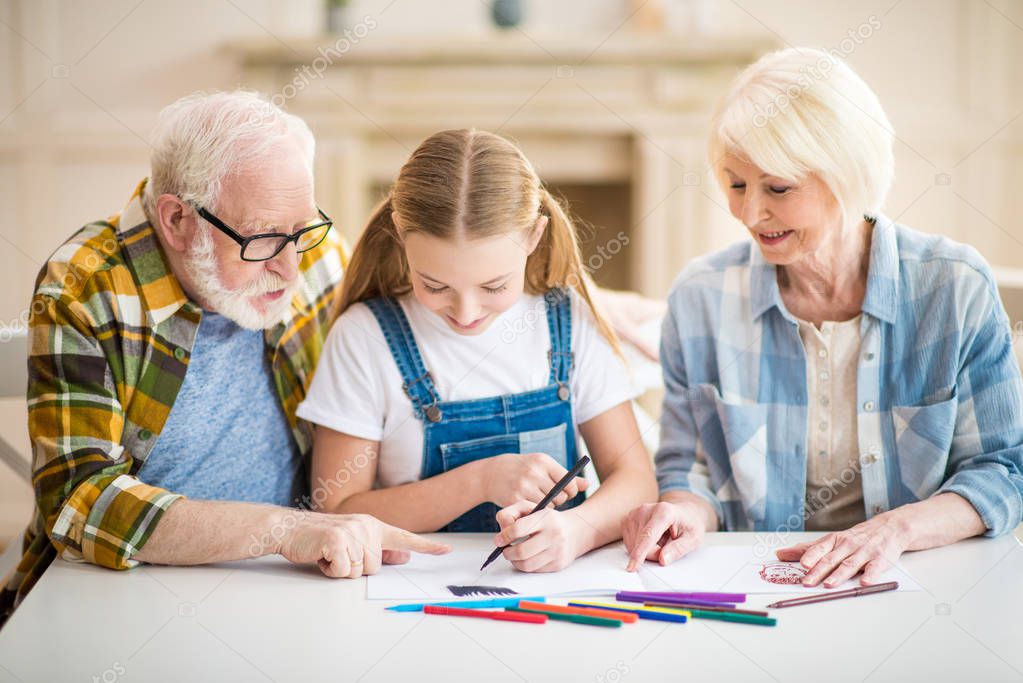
357,386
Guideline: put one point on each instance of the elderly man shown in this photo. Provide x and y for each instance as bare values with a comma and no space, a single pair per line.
221,265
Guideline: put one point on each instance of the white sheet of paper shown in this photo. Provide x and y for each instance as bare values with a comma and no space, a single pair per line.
728,569
426,577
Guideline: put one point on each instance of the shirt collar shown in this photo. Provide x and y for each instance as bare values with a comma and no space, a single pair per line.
160,289
881,300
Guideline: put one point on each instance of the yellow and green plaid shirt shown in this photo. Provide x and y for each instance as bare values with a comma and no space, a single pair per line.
111,333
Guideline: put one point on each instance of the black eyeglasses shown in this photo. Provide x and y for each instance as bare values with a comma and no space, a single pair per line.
265,246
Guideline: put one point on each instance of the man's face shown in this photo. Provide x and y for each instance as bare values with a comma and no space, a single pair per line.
274,198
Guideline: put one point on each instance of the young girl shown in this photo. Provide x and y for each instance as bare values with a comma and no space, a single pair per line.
467,355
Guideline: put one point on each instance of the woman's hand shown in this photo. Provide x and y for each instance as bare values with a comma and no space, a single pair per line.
349,546
510,478
663,531
873,547
553,538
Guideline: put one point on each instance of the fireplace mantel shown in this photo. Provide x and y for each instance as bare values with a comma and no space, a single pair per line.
632,110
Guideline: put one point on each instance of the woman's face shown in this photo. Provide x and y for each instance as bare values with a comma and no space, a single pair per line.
788,220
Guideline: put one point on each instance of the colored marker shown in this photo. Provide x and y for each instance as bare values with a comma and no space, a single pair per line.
530,618
651,613
676,596
730,616
585,611
489,602
573,618
703,608
837,595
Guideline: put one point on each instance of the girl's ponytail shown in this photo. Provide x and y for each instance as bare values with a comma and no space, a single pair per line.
558,262
378,266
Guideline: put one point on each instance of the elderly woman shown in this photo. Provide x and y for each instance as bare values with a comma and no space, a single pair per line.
838,371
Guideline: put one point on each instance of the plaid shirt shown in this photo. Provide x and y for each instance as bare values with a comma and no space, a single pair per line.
938,391
111,334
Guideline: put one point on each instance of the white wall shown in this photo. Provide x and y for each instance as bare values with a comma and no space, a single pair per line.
82,81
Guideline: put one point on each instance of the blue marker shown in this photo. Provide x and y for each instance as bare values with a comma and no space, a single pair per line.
643,613
491,602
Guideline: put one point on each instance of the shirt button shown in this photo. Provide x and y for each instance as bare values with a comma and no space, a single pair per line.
824,401
145,434
824,376
868,406
878,509
822,353
824,426
870,356
822,454
179,353
868,459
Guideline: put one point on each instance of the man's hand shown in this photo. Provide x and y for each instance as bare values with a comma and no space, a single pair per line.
349,546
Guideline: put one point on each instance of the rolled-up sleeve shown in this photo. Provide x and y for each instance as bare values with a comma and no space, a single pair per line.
681,462
986,457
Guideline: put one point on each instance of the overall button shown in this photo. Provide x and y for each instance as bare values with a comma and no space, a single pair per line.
433,413
179,353
563,392
145,434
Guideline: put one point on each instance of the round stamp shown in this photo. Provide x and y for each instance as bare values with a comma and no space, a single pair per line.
782,573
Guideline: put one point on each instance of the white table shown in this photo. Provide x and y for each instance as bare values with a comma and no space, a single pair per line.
269,620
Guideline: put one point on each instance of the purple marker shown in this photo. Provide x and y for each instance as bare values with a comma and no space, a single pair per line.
715,598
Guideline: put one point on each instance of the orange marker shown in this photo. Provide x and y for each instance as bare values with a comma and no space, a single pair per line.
624,617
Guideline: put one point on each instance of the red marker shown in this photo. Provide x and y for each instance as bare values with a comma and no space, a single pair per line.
521,617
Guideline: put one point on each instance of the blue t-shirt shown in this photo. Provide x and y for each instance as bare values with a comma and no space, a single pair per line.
227,437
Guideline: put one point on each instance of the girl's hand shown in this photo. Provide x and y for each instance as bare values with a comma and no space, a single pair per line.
872,547
663,532
554,538
512,477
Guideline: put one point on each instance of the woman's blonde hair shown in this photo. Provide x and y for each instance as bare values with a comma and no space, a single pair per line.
468,184
803,111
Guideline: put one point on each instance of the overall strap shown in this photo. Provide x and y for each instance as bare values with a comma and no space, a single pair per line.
416,381
559,321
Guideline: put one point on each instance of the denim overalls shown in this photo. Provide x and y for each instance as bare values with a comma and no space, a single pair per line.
459,432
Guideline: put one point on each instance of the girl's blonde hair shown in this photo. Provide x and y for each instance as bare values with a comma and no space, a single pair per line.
468,184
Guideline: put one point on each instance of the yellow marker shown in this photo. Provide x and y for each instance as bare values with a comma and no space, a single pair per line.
634,607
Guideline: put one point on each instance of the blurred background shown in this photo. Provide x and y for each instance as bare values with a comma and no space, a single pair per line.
608,98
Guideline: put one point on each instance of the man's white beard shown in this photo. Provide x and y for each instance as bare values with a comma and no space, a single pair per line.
201,265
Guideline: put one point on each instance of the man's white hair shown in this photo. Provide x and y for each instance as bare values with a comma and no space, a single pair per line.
803,111
203,138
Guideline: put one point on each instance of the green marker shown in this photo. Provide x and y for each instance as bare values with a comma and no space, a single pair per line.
738,618
574,618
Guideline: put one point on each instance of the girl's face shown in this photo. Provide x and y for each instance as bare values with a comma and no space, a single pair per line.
468,283
789,221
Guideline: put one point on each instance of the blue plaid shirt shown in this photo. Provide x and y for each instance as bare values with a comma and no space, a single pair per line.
938,389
